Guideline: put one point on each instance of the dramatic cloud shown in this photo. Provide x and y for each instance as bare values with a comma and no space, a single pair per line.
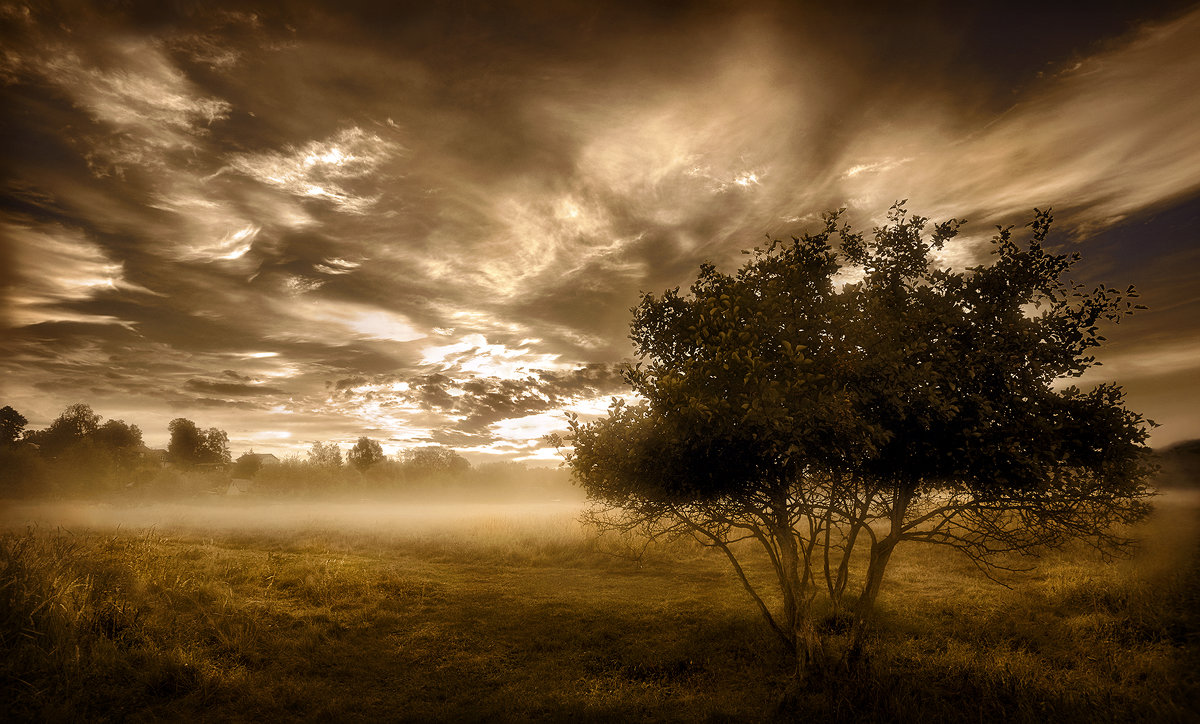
143,104
1108,136
428,224
326,170
53,269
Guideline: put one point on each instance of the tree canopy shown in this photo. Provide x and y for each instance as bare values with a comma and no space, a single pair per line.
82,454
76,424
326,455
190,446
434,461
12,424
365,453
841,390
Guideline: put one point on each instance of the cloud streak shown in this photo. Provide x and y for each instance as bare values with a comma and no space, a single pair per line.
1110,136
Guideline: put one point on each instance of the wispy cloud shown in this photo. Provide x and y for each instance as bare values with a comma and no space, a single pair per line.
55,267
479,410
303,317
142,103
1112,136
332,170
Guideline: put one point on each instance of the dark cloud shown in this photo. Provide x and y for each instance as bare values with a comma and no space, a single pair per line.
207,403
230,388
476,403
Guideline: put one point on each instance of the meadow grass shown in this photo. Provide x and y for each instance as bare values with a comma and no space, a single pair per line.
517,615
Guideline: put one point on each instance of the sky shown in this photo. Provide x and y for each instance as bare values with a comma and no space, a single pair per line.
426,223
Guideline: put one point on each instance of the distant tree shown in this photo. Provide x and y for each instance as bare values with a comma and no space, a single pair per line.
12,424
22,471
186,444
325,455
365,453
215,448
434,461
247,465
116,434
122,444
76,423
190,446
824,422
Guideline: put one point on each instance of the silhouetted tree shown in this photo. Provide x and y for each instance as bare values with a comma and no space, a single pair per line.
433,461
190,446
325,455
22,471
365,453
76,423
116,434
184,448
917,405
12,424
247,465
215,448
87,457
122,444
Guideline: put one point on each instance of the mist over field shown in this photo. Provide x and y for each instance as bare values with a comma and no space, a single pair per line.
385,518
241,609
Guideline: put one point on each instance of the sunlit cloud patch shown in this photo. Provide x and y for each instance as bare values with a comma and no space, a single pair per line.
329,169
57,266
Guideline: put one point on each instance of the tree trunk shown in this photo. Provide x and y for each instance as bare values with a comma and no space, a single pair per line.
843,572
797,606
789,584
864,608
881,553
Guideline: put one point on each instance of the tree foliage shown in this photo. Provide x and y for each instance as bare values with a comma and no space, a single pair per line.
75,424
76,454
190,446
186,442
916,404
118,434
215,449
434,461
12,424
246,466
325,455
365,453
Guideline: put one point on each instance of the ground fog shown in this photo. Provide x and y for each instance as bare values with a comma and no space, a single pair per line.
249,610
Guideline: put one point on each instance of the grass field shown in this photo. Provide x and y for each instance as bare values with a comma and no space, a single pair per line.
359,612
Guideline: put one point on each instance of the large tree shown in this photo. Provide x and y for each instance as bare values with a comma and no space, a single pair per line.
117,434
187,441
22,472
85,456
830,420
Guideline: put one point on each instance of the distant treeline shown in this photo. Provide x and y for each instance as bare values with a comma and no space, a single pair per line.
1179,465
80,456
